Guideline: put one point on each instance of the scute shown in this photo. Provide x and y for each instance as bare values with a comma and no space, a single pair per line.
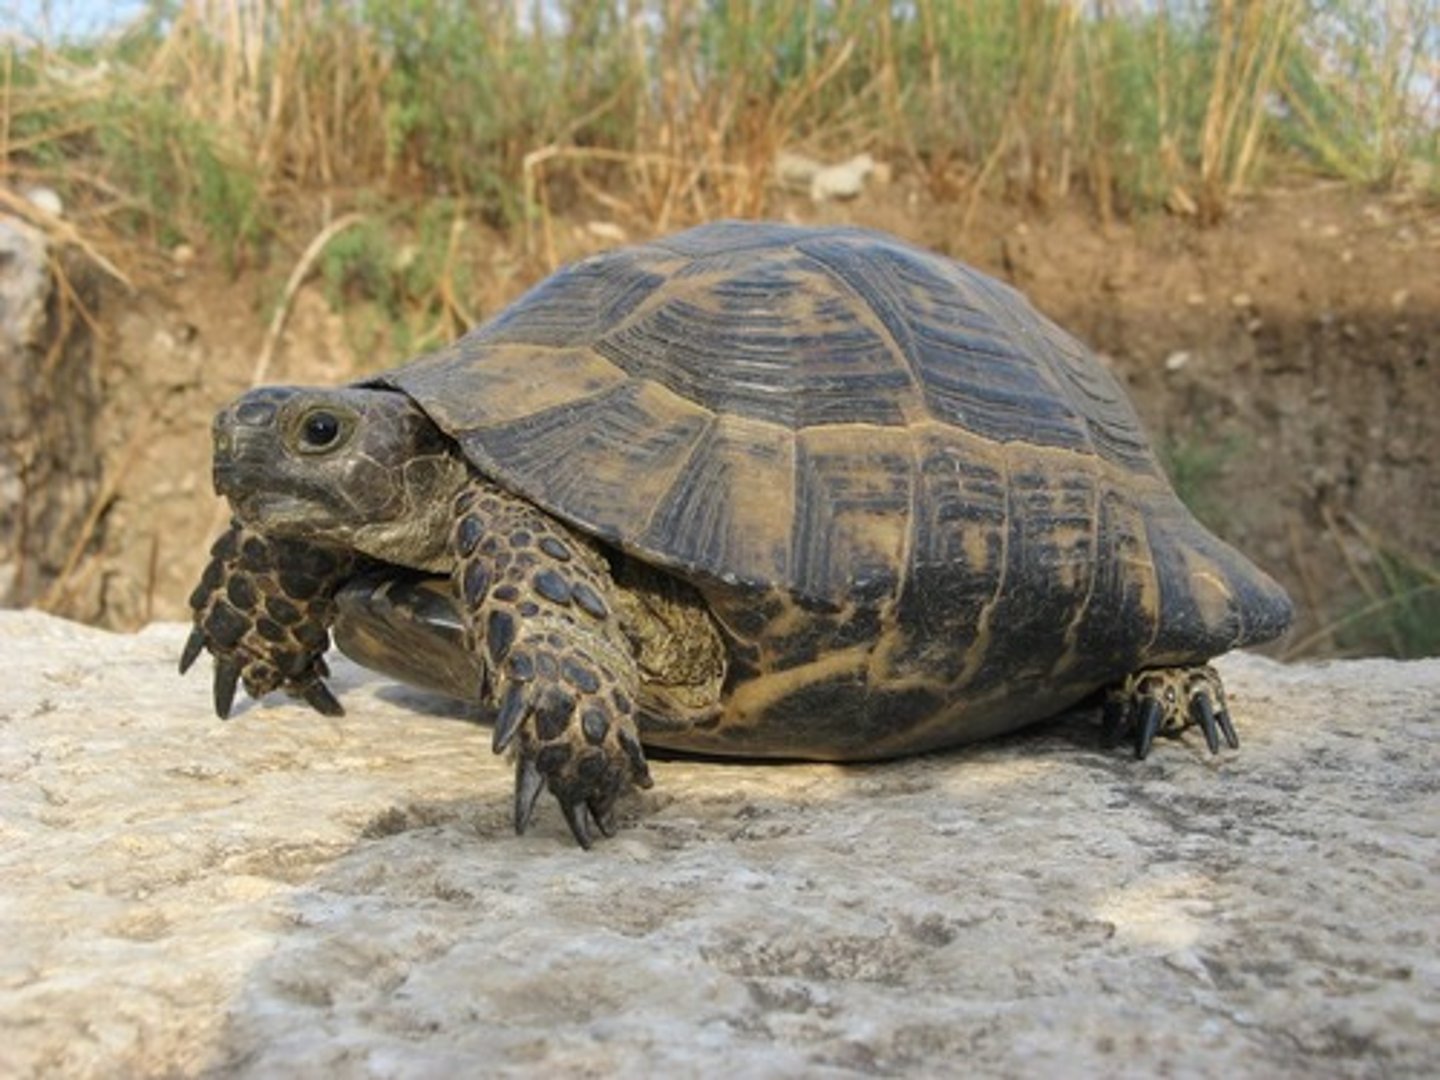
838,418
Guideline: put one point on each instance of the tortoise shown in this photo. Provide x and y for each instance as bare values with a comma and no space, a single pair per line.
750,490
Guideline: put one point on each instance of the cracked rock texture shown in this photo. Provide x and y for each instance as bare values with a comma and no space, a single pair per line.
286,895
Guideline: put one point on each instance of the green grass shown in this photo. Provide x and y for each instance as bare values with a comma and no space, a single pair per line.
1403,620
398,276
1194,467
1364,97
189,127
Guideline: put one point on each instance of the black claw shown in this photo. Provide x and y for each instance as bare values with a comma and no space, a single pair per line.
1151,713
577,816
321,699
1227,728
507,718
227,674
639,767
604,818
528,786
194,646
1205,716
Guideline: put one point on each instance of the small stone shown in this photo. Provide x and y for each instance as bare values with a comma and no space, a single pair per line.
47,200
608,231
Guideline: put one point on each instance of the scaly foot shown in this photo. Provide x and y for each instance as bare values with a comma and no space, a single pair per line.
1165,701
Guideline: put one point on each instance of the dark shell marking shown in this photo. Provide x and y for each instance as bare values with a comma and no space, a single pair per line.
922,512
772,492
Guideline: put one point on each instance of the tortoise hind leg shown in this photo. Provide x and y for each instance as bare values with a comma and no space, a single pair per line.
1158,701
559,671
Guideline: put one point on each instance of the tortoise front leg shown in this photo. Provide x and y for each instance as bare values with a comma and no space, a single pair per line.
1158,701
263,609
538,600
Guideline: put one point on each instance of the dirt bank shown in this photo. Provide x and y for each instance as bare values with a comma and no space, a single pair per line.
1285,361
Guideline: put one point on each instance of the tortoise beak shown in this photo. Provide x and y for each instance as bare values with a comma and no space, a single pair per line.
243,436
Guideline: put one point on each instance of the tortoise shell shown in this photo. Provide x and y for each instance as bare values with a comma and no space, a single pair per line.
892,480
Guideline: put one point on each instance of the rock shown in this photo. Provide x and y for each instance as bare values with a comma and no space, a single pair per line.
46,200
50,409
845,180
289,895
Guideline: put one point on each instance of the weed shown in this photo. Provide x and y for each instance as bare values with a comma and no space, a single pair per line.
1364,97
1194,466
662,111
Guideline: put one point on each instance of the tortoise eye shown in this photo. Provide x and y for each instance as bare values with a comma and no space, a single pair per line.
319,430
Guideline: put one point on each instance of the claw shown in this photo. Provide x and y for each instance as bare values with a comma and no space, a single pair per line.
577,816
528,786
604,818
1205,716
1151,714
194,646
639,767
513,708
1227,728
321,699
227,674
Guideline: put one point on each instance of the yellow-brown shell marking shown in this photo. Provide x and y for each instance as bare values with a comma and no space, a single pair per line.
896,484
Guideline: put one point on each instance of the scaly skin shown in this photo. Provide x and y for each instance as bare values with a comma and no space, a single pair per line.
1164,701
263,608
562,677
539,609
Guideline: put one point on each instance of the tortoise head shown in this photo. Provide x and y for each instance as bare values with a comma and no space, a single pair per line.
357,468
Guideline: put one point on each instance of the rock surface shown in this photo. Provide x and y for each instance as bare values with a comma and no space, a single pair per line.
288,895
50,409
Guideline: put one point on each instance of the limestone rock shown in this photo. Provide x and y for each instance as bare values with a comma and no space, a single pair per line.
50,408
287,895
844,180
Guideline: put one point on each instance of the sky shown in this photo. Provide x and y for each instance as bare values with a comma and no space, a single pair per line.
51,19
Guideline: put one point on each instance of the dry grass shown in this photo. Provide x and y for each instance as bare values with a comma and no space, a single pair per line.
197,127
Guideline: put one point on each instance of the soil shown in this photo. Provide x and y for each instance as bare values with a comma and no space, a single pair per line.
1286,362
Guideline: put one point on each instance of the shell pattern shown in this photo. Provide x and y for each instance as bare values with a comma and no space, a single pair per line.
921,511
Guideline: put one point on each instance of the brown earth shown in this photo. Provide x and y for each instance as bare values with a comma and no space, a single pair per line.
1287,363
